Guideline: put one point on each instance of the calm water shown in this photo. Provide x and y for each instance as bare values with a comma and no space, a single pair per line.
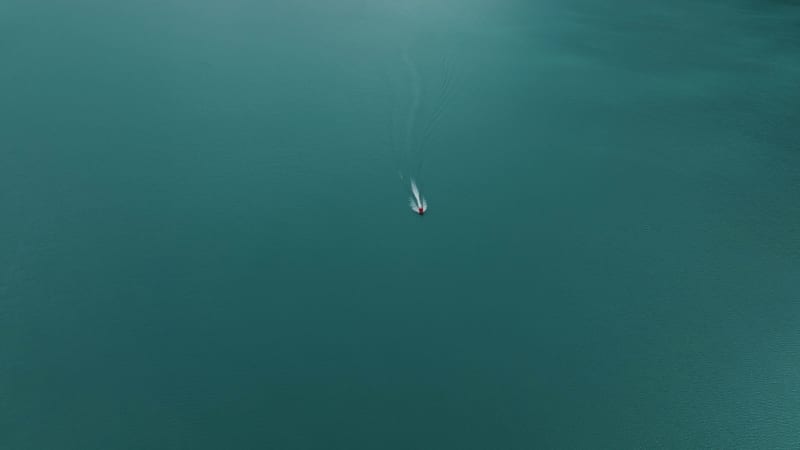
205,243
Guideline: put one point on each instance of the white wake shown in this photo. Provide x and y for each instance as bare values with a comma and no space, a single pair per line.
417,201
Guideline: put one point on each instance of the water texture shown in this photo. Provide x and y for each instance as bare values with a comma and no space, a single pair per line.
205,239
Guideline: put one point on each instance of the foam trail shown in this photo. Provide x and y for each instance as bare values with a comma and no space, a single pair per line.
415,191
417,202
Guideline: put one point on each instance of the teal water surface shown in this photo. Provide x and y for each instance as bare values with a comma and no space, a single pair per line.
206,243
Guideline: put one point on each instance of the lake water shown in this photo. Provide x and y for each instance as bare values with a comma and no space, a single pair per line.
205,239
